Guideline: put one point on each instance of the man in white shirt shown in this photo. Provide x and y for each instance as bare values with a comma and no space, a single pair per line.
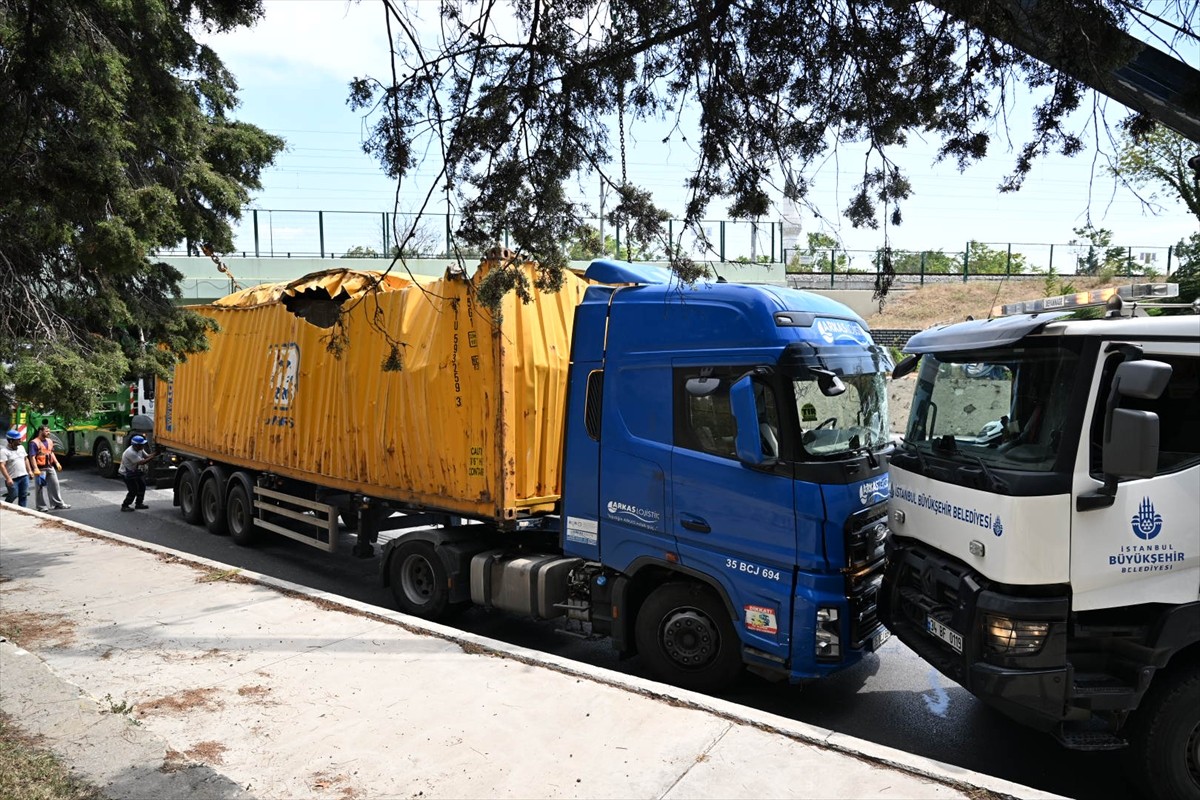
133,470
14,465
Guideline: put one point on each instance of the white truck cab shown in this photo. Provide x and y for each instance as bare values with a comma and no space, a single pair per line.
1045,519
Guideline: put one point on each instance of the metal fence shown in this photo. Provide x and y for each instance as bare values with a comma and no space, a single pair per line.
980,260
289,233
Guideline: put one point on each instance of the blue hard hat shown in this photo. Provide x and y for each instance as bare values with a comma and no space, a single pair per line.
138,439
14,434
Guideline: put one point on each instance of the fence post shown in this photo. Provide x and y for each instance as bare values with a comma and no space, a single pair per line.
1128,261
1170,248
448,250
383,219
1050,267
258,255
321,230
966,260
1008,263
670,239
722,253
923,252
772,242
832,267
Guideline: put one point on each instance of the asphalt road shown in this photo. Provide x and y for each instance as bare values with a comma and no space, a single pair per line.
892,698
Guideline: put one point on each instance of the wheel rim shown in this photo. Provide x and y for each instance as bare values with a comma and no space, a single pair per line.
103,457
209,497
1192,754
690,638
416,579
237,513
187,495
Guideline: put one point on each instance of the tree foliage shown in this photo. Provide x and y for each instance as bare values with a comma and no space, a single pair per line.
115,142
1159,159
518,100
1097,254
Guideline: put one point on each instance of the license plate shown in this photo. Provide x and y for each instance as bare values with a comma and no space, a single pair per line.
879,639
945,633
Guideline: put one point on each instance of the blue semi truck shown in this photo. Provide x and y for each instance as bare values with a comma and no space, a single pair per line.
724,494
696,472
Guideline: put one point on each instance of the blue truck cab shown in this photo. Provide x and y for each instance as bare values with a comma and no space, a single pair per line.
725,475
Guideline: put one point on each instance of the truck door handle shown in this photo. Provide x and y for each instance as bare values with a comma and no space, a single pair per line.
697,525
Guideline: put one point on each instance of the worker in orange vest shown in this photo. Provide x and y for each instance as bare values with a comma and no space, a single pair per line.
45,471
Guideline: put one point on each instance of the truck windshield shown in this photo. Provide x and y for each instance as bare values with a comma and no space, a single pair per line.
1007,408
834,426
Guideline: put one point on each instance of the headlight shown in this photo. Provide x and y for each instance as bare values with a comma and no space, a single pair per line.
1014,636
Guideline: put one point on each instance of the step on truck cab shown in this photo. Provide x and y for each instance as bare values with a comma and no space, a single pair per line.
1045,547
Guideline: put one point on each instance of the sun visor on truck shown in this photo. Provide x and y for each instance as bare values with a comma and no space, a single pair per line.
979,334
604,270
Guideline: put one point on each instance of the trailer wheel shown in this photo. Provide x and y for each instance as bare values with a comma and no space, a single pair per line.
212,506
189,495
419,581
103,456
686,638
239,513
1164,734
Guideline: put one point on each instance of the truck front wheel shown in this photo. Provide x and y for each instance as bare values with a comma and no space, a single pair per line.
685,636
103,455
419,581
1164,736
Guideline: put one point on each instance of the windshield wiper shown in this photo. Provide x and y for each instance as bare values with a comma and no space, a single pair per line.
996,484
865,449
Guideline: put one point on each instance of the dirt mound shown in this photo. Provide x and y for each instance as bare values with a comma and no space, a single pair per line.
953,302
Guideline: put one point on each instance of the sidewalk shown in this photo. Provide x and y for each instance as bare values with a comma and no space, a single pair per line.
246,686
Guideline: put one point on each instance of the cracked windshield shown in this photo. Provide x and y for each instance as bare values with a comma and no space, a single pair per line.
1007,408
854,419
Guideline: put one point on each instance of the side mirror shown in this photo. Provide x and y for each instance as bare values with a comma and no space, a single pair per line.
1131,448
745,415
906,365
828,382
1142,380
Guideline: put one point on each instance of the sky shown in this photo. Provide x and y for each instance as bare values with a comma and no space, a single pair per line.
293,69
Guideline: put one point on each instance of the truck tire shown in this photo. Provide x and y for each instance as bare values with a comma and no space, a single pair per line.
239,515
419,581
212,506
189,494
103,456
1164,737
685,637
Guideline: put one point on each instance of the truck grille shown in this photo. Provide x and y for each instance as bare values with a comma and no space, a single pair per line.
862,590
866,535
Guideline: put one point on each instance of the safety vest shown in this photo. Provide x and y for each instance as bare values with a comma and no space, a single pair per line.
41,453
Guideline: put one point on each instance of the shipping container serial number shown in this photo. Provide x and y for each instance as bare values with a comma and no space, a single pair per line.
752,569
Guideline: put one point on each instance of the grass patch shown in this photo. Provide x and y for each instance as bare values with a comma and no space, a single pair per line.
30,772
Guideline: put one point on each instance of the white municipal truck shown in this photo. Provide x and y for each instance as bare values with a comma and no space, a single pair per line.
1045,519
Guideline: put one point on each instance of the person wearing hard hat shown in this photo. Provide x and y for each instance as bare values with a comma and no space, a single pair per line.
133,470
14,465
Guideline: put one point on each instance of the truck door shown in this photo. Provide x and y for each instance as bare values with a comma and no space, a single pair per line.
732,522
1145,546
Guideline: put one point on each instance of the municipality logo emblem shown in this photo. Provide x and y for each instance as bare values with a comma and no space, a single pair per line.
997,527
1146,524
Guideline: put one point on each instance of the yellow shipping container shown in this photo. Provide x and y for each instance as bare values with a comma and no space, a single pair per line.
471,423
